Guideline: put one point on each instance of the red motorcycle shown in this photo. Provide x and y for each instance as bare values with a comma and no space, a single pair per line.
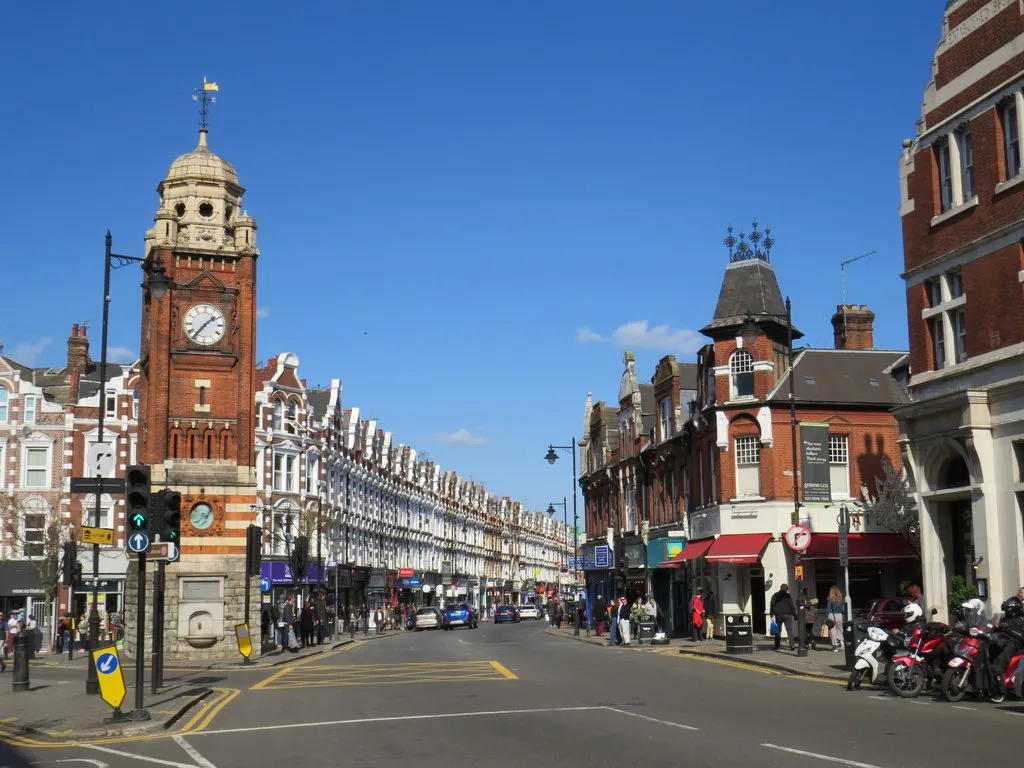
969,670
928,652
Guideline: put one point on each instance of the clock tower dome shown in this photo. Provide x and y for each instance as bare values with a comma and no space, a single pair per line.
197,397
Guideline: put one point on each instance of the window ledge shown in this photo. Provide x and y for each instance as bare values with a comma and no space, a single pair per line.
1010,183
741,399
952,212
743,499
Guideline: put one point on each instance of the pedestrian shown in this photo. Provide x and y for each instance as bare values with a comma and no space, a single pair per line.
364,618
710,608
288,625
307,622
651,609
783,610
378,619
321,617
810,619
835,609
613,622
600,611
622,616
559,614
83,630
697,615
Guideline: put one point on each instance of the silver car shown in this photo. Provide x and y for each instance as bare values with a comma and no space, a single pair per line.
428,618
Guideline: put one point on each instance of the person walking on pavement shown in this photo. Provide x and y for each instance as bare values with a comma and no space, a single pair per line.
288,625
364,618
710,606
378,620
600,611
623,619
697,615
559,614
783,610
613,622
321,617
307,619
834,611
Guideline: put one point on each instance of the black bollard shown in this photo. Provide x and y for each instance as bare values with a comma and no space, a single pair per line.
20,678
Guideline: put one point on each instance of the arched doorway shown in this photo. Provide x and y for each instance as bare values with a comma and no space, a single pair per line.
956,522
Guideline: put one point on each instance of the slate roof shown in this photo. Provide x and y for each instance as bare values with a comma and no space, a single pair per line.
687,376
648,409
848,376
319,401
749,287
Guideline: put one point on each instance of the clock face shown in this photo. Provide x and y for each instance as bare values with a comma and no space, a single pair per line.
204,324
201,516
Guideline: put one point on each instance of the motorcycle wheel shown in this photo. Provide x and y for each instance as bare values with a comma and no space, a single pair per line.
906,682
954,684
857,677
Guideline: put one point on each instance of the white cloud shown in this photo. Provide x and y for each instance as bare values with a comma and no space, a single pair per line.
461,437
262,312
121,355
586,336
638,333
28,352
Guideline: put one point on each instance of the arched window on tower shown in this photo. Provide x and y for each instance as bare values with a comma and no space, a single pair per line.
741,374
278,414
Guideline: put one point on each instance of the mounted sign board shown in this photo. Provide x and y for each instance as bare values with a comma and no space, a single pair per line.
798,538
111,485
109,676
97,535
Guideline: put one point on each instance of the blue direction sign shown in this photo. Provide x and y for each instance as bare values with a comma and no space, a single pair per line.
265,584
173,552
138,542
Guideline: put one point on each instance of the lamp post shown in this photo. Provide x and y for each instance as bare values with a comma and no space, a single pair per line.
750,332
155,282
552,457
320,487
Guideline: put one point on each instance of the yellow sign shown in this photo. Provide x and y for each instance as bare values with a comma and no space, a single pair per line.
97,535
244,641
110,676
798,572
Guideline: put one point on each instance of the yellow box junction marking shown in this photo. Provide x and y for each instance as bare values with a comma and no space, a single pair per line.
320,676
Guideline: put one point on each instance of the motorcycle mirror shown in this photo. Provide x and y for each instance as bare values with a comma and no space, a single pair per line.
935,611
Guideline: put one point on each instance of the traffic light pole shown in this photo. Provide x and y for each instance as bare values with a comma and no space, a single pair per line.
140,713
157,665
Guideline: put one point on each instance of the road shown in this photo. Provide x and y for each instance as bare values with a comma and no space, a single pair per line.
512,695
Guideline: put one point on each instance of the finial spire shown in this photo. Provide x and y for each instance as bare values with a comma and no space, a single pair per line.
759,247
202,95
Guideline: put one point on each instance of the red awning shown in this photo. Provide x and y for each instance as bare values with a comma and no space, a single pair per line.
860,546
691,551
738,548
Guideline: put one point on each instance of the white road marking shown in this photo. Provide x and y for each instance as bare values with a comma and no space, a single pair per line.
110,751
192,752
926,703
828,758
397,718
652,719
882,698
87,761
1018,714
969,709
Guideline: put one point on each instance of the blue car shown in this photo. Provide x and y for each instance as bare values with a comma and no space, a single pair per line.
506,613
459,615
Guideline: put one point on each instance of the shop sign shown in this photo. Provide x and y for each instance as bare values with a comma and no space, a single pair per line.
410,582
815,475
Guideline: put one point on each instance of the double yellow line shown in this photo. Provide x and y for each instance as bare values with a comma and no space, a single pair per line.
208,710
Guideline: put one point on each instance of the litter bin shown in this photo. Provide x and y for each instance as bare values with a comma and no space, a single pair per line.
853,633
739,635
647,631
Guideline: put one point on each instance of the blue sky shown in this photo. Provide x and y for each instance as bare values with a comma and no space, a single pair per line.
448,192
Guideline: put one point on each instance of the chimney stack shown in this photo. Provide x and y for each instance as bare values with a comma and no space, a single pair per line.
78,359
854,327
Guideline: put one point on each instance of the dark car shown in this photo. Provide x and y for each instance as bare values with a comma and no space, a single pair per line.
886,612
460,615
506,613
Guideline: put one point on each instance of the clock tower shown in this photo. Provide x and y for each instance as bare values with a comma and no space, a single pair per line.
197,399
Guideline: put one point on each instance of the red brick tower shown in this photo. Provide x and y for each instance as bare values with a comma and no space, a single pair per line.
197,392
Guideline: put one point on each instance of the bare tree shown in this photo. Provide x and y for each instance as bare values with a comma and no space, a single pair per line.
38,534
892,505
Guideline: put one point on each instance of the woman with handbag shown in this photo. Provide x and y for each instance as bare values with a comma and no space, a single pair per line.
834,609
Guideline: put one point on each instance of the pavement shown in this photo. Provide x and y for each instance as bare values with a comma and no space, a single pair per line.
56,705
520,694
820,662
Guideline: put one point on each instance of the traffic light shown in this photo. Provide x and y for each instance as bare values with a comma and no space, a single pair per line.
300,557
69,562
168,516
139,495
253,550
76,575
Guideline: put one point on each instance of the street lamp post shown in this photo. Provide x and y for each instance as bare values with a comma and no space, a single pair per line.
551,458
750,331
156,282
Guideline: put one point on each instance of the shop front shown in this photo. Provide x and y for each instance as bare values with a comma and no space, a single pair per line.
668,582
22,591
598,572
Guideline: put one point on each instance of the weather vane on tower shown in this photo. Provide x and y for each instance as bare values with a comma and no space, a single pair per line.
202,95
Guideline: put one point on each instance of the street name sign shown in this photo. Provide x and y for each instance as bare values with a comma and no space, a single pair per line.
110,676
97,535
158,550
111,485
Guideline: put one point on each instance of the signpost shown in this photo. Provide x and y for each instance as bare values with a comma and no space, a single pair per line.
98,536
844,555
111,679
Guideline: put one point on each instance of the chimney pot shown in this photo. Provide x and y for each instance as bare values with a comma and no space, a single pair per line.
853,326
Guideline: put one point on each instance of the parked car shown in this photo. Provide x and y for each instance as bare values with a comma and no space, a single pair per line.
506,613
529,611
884,612
428,618
460,615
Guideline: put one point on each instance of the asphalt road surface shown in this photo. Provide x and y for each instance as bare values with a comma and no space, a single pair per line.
512,695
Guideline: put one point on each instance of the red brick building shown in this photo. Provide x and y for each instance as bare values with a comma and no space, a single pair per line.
962,204
689,481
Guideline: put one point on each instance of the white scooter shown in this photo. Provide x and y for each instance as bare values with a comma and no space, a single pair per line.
873,656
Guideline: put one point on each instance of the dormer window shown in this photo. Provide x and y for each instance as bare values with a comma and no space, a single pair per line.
741,374
111,403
